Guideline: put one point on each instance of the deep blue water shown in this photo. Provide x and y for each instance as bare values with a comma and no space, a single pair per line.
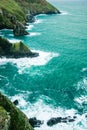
55,83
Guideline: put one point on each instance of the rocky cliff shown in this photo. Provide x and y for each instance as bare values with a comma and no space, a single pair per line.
11,118
15,13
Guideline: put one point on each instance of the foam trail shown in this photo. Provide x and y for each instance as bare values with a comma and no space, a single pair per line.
35,34
38,21
84,69
64,13
14,40
29,27
42,111
23,63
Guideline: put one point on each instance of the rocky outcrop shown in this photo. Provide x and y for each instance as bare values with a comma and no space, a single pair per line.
30,18
15,50
16,120
16,102
56,120
14,17
35,122
19,29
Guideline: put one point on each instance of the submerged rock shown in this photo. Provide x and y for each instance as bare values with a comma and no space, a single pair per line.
34,122
15,50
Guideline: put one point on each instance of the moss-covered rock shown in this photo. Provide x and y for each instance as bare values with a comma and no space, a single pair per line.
19,121
15,50
4,119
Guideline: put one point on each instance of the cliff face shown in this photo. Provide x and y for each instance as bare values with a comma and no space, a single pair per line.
11,118
12,11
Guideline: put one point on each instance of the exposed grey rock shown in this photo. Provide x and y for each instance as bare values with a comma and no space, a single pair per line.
19,29
34,122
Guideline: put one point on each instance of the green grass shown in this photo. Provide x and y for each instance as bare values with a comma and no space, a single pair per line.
13,8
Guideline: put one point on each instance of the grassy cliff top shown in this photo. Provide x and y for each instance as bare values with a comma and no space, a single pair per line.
13,10
12,7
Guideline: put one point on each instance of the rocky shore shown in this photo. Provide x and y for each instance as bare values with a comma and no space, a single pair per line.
13,15
22,11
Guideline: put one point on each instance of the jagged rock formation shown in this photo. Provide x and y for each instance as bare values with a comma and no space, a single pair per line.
15,50
19,29
14,13
15,120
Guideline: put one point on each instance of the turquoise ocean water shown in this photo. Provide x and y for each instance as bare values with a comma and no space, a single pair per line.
55,83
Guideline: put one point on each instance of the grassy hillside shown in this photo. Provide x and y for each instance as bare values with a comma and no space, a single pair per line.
10,6
13,10
37,6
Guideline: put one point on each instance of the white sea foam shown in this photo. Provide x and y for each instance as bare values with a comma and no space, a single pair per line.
23,63
35,34
82,84
81,99
84,69
14,40
38,21
44,112
64,13
11,35
29,27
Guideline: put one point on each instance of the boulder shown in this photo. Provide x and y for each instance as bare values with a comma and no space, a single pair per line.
34,122
54,121
19,29
16,102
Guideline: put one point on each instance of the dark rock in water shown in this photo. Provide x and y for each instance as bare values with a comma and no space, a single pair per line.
86,116
30,18
19,29
54,121
64,120
74,117
16,102
35,123
71,120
